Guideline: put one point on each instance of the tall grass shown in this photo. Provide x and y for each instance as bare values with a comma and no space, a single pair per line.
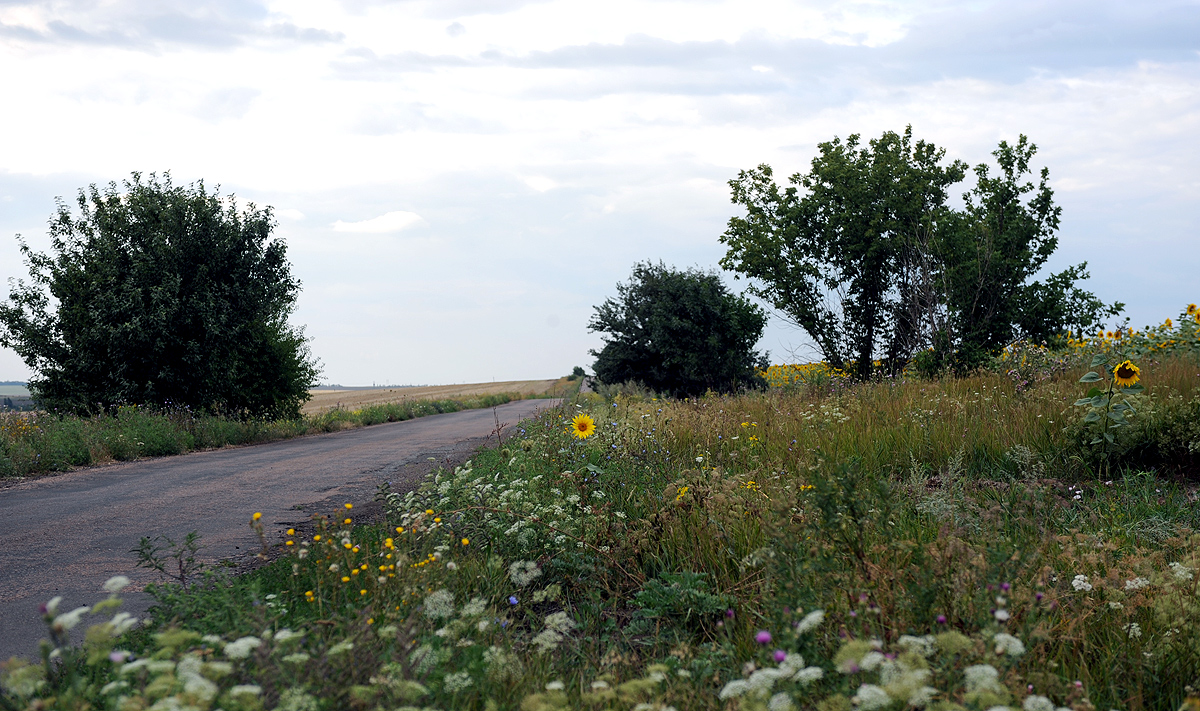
38,442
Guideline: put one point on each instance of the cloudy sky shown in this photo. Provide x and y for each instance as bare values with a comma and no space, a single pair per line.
460,181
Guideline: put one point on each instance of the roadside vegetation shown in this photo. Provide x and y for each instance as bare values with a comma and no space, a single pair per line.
1013,538
39,442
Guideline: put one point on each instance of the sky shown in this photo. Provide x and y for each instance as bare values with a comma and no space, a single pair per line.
460,182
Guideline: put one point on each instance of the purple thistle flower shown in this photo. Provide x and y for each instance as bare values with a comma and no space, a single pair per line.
780,655
763,637
941,619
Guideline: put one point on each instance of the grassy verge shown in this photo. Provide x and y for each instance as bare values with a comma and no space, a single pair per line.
951,544
39,442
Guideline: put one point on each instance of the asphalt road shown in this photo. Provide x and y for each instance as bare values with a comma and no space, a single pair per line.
67,534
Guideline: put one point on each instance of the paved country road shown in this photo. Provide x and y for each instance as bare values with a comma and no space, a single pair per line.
65,535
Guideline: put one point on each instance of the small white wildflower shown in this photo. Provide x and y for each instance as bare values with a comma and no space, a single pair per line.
925,646
477,606
1181,572
109,688
1037,703
780,702
808,675
555,685
871,661
1134,630
241,648
340,648
871,697
456,682
546,640
524,572
286,635
1081,583
1001,615
1136,583
1115,606
1008,644
296,658
68,620
560,622
122,622
982,677
921,696
810,622
600,684
245,690
734,689
116,584
439,603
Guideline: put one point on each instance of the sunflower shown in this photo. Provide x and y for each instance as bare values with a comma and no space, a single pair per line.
1126,374
583,426
1192,310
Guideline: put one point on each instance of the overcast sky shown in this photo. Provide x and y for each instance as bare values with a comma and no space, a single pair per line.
460,181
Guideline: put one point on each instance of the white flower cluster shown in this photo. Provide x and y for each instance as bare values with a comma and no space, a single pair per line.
1081,583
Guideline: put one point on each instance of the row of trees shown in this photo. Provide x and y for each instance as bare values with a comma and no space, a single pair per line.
865,253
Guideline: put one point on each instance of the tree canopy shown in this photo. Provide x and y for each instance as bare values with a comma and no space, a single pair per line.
678,332
865,254
160,294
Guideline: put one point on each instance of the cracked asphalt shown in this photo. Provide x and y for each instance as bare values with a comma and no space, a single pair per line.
67,534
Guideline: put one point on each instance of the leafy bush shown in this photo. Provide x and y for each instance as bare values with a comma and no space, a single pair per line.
677,332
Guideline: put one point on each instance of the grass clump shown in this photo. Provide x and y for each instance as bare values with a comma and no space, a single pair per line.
945,544
40,442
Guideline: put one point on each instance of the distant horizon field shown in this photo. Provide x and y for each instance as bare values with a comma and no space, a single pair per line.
326,398
11,389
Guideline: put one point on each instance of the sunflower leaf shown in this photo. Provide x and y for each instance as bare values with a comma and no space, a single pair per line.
1091,377
1083,401
1099,401
1117,417
1094,391
1110,438
1098,359
1092,416
1133,389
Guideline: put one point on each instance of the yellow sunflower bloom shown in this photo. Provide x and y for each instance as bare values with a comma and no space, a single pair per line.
583,426
1126,374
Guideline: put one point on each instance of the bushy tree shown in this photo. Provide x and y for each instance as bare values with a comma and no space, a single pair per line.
864,253
839,251
678,332
160,294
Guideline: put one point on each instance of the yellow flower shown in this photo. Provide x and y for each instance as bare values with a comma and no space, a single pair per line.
1126,374
583,426
291,531
466,541
683,490
347,522
349,506
1192,309
257,515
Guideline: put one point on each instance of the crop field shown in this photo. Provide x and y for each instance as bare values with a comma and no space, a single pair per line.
1024,537
357,398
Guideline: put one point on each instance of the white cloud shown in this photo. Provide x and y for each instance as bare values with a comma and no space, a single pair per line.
395,221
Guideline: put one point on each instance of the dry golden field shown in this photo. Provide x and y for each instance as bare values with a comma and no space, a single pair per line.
353,399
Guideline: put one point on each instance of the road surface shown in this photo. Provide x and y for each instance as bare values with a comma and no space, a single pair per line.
67,534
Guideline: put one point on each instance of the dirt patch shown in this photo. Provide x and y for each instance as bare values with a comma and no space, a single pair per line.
354,399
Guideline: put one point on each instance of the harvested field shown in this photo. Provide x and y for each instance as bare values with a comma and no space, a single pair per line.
353,398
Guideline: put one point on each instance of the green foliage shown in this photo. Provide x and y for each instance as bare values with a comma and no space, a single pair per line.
158,294
996,245
678,332
38,442
864,253
844,259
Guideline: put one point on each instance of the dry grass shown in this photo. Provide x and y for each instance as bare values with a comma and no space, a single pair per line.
323,400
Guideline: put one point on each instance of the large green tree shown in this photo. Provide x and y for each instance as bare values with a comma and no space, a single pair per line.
160,294
678,332
865,254
841,251
1002,238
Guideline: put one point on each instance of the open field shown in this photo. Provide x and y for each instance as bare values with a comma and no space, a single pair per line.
355,399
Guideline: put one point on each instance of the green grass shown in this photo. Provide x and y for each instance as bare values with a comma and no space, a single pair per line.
959,539
39,442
